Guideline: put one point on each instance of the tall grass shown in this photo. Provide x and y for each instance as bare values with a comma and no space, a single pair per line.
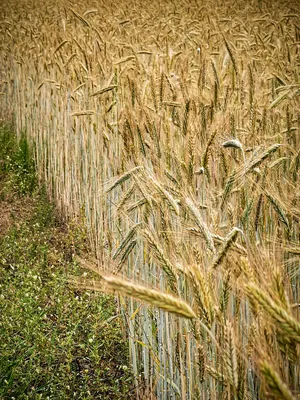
173,129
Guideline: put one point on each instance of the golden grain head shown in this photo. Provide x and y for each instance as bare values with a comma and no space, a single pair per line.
127,108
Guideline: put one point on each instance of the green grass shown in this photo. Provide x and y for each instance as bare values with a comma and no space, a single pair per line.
56,342
17,166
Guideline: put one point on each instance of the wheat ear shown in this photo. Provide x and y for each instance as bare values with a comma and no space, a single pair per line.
154,297
285,321
276,386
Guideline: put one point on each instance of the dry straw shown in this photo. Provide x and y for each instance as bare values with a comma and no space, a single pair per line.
169,133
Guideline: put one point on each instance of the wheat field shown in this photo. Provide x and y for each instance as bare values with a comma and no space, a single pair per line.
171,129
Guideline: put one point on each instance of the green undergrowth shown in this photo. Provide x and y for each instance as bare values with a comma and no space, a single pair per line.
17,168
56,342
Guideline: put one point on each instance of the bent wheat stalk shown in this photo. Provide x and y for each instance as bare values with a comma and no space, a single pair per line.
154,297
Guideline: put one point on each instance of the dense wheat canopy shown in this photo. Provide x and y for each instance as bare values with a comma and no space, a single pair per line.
172,128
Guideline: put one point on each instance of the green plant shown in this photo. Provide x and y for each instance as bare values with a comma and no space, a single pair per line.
56,342
17,162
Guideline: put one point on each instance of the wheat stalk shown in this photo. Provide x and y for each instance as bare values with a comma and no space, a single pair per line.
154,297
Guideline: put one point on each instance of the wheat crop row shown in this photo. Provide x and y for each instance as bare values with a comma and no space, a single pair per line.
171,129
